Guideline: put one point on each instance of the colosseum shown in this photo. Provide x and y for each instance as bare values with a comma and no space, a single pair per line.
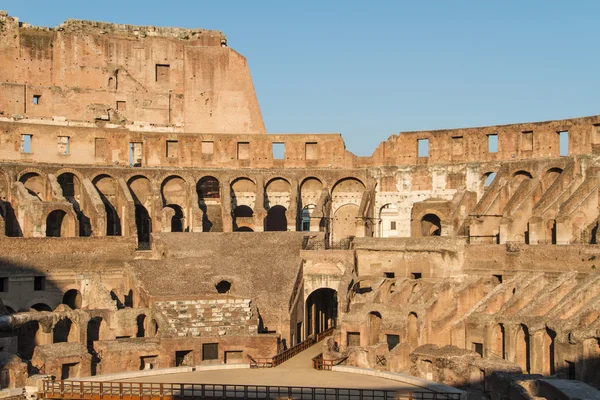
152,231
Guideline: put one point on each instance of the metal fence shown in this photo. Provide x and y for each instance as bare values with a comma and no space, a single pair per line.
85,390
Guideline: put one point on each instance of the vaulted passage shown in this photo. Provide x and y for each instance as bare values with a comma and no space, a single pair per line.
431,225
107,188
209,202
321,310
54,223
72,191
276,219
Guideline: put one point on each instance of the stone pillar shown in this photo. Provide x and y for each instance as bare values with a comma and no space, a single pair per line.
537,230
292,212
259,205
226,216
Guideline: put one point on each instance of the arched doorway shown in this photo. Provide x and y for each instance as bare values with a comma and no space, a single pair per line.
208,190
41,307
177,221
276,219
72,298
71,191
344,222
321,311
143,223
54,223
374,322
431,225
242,218
107,188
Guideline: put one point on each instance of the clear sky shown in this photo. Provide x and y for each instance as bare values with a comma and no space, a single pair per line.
370,69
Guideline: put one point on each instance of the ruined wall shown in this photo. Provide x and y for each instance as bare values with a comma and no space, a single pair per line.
86,71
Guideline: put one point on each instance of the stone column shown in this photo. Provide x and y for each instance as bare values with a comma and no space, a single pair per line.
226,216
259,205
292,211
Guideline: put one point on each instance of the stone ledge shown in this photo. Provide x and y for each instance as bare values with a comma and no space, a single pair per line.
401,377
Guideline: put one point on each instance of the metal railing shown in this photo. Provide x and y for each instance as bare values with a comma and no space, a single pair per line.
86,390
325,365
289,353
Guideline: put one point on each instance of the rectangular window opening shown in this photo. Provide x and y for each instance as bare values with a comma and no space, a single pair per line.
478,348
392,341
36,99
457,145
172,148
243,151
563,138
392,225
422,148
208,148
163,73
184,358
121,105
416,275
39,283
4,284
527,141
389,275
26,143
63,145
353,338
210,351
147,363
69,370
311,151
135,154
570,370
492,143
278,151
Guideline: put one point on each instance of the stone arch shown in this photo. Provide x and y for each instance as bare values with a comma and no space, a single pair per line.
321,310
73,299
141,190
35,184
72,190
174,190
347,191
243,217
310,190
431,225
487,179
277,193
65,331
344,221
550,176
276,219
208,190
142,193
374,325
243,193
412,330
173,219
41,307
59,224
97,329
108,189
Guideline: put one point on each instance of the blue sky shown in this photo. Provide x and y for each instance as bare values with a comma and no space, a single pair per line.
372,69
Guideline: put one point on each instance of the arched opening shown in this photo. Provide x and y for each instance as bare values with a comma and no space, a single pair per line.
62,331
107,188
306,215
243,216
143,223
488,179
374,322
177,220
209,194
431,225
72,192
41,307
223,287
344,222
522,353
276,219
72,298
321,311
277,193
141,328
35,185
54,223
412,328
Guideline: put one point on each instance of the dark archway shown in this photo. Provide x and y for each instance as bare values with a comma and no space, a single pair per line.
243,212
143,222
276,219
141,325
41,307
62,330
209,194
72,298
374,322
321,311
54,222
107,188
242,217
431,225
